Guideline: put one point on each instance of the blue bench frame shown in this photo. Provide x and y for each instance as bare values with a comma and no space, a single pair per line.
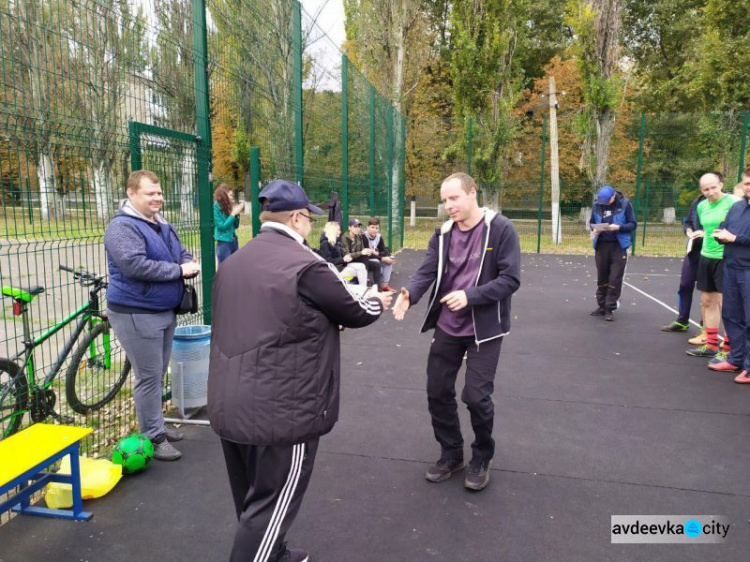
21,500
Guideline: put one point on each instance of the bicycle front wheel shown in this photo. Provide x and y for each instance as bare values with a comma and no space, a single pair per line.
94,377
14,396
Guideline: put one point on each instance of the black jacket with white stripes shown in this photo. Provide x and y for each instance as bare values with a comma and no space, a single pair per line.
274,371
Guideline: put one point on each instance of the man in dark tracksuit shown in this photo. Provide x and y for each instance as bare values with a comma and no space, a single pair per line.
273,386
474,262
689,275
611,243
734,233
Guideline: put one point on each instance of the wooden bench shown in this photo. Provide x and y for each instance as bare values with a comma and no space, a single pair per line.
23,460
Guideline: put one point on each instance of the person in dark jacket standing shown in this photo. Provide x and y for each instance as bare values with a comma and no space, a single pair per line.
734,234
612,221
147,264
273,385
473,263
689,274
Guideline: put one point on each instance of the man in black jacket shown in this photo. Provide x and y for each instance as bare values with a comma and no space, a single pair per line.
474,262
689,275
273,385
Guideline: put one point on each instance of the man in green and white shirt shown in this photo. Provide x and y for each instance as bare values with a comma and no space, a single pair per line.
711,212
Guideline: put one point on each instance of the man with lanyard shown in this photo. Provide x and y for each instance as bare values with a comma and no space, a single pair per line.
711,212
734,233
612,221
474,261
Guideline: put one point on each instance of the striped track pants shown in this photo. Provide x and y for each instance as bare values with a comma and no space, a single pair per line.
268,483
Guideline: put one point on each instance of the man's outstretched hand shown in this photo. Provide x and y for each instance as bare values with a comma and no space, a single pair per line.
402,304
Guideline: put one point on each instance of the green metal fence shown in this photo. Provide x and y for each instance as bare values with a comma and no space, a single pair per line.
200,92
655,160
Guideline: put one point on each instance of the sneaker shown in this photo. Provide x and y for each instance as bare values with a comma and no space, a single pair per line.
719,357
742,378
609,317
165,451
702,351
173,434
444,469
700,339
598,312
295,555
478,475
724,367
675,327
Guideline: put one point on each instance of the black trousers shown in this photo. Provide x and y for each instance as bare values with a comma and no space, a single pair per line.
443,363
268,483
373,267
688,277
610,269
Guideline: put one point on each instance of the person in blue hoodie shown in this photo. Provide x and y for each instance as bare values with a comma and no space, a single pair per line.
612,222
147,265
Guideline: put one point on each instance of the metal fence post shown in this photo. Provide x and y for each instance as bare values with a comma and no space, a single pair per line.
203,149
389,134
645,214
372,151
297,91
255,188
402,187
641,137
743,146
344,139
541,190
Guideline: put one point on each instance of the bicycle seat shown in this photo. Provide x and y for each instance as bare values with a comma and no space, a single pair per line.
25,294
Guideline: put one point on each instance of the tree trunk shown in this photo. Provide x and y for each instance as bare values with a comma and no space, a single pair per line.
47,192
100,188
187,187
605,127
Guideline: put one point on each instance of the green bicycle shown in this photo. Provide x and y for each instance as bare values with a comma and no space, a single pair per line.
92,379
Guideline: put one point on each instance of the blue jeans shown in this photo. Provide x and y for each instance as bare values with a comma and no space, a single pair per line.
226,249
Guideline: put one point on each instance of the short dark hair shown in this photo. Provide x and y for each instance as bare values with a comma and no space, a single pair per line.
373,221
746,172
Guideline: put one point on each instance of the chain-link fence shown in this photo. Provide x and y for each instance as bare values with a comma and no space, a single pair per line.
655,160
234,91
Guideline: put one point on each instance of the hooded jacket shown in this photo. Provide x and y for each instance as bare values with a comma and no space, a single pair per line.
499,277
620,212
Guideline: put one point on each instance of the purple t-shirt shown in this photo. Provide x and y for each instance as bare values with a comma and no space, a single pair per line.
464,259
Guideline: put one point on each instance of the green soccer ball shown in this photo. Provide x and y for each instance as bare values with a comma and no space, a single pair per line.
133,453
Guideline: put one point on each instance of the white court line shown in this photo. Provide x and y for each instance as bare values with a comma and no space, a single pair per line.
665,305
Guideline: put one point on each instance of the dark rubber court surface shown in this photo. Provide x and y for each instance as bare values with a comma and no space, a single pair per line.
593,419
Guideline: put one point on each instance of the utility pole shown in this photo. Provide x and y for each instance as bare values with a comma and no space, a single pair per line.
554,164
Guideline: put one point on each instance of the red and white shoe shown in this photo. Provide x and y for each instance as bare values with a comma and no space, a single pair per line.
724,367
742,378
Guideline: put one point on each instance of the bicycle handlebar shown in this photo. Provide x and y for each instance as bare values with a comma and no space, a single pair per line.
84,277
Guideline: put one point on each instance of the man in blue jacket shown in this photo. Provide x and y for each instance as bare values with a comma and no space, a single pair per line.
734,233
612,220
147,266
473,263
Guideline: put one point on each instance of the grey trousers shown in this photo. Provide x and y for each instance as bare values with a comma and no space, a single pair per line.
147,341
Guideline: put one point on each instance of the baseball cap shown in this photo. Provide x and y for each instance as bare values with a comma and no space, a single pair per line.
283,195
605,194
354,222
